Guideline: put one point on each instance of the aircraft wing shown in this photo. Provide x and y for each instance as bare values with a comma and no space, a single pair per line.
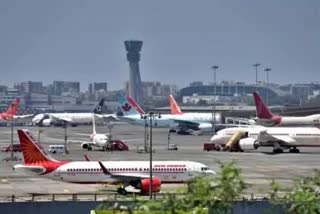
64,119
122,176
80,142
26,116
185,124
108,117
264,136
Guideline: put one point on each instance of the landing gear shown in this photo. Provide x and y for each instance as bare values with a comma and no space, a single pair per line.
122,191
277,151
294,150
89,148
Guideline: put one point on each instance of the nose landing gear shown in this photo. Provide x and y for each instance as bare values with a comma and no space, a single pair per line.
294,150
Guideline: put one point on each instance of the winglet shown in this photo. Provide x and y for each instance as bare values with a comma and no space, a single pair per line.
262,110
175,109
104,169
86,157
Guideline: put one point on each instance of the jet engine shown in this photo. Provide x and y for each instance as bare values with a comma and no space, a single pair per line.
47,122
143,185
85,145
247,144
205,127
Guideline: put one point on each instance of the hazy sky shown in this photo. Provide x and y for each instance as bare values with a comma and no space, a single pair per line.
82,40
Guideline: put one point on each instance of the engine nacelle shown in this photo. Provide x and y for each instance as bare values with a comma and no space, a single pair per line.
205,126
85,145
246,144
143,185
47,122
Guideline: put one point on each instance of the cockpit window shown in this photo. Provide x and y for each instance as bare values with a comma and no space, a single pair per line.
204,168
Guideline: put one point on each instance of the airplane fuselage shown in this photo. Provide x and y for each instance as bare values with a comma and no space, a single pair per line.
297,136
90,172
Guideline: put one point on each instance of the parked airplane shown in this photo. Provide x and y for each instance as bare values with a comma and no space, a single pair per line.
127,173
11,112
181,122
47,119
193,121
266,118
132,113
102,141
280,138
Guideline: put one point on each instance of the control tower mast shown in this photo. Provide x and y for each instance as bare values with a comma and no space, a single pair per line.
133,48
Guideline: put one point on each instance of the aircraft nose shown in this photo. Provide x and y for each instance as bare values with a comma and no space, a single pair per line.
210,172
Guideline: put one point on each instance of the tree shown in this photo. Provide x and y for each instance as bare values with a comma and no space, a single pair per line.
303,197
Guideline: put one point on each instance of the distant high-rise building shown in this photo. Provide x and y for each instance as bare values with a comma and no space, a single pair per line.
97,86
31,87
60,87
133,48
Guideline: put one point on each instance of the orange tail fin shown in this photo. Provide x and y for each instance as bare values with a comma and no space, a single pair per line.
175,109
12,110
32,152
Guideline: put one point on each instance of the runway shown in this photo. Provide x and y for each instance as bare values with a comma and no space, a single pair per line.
258,168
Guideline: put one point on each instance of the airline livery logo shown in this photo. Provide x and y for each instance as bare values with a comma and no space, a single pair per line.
126,107
98,109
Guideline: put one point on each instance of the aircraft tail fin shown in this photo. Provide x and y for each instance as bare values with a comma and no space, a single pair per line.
12,109
129,107
262,110
32,152
174,107
98,108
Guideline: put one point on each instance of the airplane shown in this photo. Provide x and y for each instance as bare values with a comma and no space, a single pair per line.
126,173
182,123
266,118
47,119
280,138
193,121
103,141
11,112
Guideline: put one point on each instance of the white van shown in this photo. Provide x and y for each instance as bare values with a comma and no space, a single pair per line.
57,149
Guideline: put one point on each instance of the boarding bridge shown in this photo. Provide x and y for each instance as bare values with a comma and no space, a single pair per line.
237,121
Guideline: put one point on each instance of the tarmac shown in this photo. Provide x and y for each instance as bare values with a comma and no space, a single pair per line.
258,167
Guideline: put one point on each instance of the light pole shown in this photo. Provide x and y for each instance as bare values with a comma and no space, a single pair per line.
256,65
267,70
12,106
214,68
151,116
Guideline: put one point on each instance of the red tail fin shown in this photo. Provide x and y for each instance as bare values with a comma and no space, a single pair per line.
135,105
32,152
12,110
175,109
262,110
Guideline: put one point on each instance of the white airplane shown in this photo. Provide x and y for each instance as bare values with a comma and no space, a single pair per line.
127,173
182,122
266,118
280,138
193,121
47,119
11,112
103,141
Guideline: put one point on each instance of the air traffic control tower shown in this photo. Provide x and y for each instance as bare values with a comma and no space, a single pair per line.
133,48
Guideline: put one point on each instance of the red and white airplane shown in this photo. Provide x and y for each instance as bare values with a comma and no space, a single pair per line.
11,112
127,173
266,118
